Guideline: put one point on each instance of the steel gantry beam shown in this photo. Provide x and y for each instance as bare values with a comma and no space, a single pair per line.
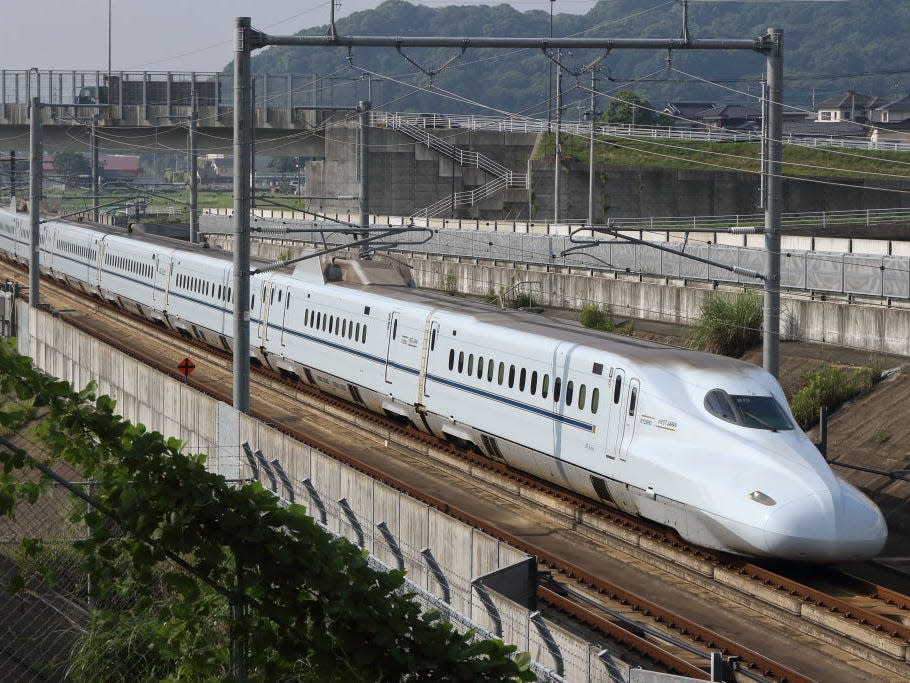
248,39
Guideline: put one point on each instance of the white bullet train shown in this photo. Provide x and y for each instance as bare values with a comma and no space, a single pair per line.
701,443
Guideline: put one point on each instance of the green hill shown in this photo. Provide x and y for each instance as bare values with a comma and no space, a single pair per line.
829,46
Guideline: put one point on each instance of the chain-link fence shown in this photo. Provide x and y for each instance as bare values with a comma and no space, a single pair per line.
43,621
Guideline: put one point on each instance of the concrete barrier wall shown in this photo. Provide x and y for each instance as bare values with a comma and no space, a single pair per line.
354,504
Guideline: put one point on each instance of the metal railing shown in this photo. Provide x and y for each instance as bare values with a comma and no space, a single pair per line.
520,124
277,91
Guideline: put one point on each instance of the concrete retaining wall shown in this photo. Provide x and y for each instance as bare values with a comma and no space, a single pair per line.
354,504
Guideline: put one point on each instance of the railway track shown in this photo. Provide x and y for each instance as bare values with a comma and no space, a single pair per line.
856,625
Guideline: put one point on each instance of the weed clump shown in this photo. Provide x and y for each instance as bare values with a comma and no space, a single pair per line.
601,318
829,386
728,327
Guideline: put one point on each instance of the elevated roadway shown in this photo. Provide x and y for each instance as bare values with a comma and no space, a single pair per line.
150,111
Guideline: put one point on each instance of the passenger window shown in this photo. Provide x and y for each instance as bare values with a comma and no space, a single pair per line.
480,367
433,339
318,320
569,390
357,333
557,386
511,376
502,371
351,330
460,362
581,397
395,328
617,389
522,376
331,324
471,364
490,365
595,399
306,317
325,322
253,302
451,359
545,386
633,397
363,339
344,328
534,382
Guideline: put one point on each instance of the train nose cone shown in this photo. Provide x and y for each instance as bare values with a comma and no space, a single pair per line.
825,526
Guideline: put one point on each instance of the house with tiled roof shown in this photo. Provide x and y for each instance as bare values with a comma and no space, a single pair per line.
849,106
892,122
733,117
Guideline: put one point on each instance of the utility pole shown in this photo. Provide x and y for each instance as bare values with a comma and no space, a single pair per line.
550,76
558,141
593,115
364,144
94,145
12,174
775,73
36,150
241,275
194,164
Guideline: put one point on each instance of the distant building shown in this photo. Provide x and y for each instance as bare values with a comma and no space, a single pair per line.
893,112
850,106
687,114
737,117
119,166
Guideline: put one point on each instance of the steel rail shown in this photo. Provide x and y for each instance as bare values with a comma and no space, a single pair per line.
768,577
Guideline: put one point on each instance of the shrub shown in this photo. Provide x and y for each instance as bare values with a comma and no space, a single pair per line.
601,318
450,283
523,300
729,327
828,386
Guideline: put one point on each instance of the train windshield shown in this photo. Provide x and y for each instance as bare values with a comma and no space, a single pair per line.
755,412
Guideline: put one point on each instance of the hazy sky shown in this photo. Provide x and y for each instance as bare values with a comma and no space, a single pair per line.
176,35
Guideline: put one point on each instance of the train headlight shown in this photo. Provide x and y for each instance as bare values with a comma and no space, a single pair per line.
762,498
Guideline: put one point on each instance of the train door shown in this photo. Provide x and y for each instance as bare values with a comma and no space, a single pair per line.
285,302
393,336
268,296
617,422
630,412
431,338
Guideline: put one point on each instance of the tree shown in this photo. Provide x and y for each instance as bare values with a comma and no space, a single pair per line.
71,165
316,609
631,108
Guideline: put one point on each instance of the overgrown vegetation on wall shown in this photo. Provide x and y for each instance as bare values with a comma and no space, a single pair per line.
831,386
170,546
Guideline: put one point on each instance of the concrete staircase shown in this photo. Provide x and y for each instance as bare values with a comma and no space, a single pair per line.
503,178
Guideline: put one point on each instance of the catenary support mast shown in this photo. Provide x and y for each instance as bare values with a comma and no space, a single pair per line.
249,39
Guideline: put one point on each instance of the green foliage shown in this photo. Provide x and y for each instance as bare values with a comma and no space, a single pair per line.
601,318
630,107
829,386
728,327
840,44
317,610
71,164
522,300
450,283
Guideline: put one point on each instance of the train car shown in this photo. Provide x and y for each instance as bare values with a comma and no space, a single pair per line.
702,443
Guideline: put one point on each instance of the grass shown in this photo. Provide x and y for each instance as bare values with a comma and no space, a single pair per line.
830,386
733,156
728,327
601,318
180,200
